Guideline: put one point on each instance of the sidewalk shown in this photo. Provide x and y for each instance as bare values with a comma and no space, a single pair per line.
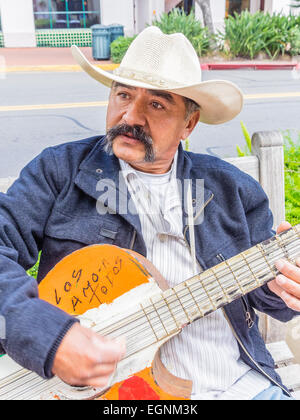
47,59
60,59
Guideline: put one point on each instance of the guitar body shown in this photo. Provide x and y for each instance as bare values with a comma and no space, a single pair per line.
101,284
119,293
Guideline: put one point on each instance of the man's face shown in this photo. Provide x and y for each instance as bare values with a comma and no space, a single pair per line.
145,126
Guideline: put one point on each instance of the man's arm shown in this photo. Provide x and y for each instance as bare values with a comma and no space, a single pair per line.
260,221
32,325
39,336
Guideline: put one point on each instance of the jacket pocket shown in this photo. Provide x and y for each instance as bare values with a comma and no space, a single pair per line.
65,234
85,230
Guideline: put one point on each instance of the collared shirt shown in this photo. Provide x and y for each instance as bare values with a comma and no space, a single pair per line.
206,351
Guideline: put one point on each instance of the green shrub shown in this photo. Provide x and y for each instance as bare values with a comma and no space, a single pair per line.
246,35
292,178
119,47
33,272
291,172
192,28
248,148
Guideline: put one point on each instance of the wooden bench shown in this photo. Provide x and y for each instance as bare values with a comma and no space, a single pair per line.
286,366
266,165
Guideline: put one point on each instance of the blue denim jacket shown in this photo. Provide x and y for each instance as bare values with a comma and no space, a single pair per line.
52,208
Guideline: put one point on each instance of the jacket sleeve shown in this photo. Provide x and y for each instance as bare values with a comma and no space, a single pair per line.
33,328
260,222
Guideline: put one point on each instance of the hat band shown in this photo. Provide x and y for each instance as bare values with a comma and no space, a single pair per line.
143,77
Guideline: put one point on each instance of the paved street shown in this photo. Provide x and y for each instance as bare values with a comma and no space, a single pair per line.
42,109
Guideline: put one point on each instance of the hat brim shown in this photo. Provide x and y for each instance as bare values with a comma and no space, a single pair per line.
220,100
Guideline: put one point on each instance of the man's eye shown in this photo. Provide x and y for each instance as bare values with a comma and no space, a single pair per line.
157,105
123,95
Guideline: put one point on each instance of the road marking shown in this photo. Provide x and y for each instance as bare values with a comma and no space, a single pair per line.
57,68
13,108
273,95
53,106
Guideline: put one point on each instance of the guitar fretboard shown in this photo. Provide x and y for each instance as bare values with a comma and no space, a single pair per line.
220,285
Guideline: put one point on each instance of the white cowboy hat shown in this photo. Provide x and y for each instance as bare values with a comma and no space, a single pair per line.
158,61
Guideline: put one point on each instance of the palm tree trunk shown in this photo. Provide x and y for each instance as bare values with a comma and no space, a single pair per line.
207,19
207,15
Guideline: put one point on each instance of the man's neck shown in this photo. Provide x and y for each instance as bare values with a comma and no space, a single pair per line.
151,169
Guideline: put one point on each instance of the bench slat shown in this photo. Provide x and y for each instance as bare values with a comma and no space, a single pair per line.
280,352
290,376
296,395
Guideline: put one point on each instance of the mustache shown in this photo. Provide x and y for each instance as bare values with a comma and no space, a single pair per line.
135,131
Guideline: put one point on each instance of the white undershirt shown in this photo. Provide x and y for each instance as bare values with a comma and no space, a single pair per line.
206,351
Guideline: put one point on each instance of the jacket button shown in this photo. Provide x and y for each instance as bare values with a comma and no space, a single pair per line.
99,171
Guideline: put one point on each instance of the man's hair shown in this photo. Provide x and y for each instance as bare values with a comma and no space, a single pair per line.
190,107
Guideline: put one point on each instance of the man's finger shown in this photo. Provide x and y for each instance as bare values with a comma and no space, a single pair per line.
275,288
288,270
288,285
283,227
109,351
291,301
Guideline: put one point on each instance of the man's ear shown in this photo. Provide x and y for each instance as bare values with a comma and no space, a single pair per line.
191,123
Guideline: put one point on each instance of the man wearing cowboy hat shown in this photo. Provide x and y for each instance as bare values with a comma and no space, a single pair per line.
56,206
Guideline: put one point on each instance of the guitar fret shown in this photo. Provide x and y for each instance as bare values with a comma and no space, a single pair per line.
235,277
220,284
259,246
295,229
282,246
171,312
252,272
206,292
177,311
159,317
157,339
199,309
186,314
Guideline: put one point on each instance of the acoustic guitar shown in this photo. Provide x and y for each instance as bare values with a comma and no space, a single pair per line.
118,293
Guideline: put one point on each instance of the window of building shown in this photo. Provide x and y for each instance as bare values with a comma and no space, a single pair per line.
237,6
55,14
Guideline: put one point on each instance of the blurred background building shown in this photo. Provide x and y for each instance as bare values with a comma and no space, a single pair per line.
31,23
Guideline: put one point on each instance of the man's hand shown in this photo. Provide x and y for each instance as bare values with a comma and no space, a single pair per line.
86,359
287,284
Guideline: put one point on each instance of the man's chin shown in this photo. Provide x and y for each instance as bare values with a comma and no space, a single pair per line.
130,152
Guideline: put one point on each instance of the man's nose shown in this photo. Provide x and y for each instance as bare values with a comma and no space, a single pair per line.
134,114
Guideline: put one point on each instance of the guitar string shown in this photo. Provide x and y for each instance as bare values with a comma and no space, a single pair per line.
203,281
218,273
198,277
188,304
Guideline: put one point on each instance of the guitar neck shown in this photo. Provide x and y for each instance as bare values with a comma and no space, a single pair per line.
164,314
228,281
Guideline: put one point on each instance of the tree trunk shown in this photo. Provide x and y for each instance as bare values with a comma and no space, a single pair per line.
207,15
207,19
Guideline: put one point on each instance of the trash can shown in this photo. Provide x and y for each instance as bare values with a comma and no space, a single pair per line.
100,42
116,30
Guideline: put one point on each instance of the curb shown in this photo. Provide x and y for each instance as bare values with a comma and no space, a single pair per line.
251,65
204,66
